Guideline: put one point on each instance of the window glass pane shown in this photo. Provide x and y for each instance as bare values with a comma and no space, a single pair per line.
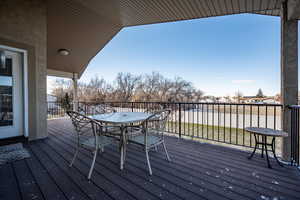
6,94
5,81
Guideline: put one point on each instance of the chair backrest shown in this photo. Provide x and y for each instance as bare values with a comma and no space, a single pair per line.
81,110
91,108
154,108
156,123
101,109
85,127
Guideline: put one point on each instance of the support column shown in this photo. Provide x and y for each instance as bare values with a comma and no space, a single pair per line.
289,74
75,89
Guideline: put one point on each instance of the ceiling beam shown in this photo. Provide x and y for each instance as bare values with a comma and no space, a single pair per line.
61,74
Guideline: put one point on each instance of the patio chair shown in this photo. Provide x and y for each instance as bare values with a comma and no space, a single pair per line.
111,131
154,108
90,135
101,109
150,133
95,109
135,128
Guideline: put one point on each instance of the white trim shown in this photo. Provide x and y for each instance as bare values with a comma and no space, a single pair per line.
25,91
25,83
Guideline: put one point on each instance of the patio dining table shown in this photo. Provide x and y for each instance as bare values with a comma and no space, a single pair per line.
121,119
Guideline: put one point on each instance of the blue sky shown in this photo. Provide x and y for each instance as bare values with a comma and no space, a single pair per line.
219,55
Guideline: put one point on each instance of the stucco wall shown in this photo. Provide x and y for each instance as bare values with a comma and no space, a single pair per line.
23,24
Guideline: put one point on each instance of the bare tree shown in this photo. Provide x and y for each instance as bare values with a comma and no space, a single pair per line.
128,87
96,90
181,90
149,87
61,87
165,89
125,85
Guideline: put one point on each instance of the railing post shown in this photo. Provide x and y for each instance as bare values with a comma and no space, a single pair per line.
75,91
294,114
179,120
131,106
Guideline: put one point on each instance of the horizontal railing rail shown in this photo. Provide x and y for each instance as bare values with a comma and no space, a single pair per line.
218,122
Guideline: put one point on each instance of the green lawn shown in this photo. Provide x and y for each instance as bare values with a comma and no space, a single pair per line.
234,136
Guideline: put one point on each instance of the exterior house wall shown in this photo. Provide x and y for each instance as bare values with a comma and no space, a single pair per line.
23,24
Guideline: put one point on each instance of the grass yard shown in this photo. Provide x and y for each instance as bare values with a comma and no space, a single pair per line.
217,134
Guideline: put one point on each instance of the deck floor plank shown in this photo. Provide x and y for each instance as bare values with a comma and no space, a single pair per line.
46,184
89,188
235,179
142,182
196,159
27,184
166,168
239,156
131,180
70,188
144,173
99,178
9,188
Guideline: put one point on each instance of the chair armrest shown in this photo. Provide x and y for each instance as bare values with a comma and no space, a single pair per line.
134,126
110,126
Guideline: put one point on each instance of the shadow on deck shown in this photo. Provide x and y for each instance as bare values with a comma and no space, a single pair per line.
197,171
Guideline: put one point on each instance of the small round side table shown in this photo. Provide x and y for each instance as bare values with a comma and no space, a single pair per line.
264,133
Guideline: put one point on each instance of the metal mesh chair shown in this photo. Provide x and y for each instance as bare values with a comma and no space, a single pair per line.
101,109
154,108
90,135
95,109
151,133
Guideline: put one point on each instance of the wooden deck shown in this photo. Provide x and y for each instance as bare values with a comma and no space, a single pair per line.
198,171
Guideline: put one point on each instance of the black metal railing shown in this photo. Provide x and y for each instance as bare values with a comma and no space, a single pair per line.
295,140
217,122
57,109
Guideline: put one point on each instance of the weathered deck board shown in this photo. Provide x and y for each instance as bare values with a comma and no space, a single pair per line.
144,172
8,184
47,185
69,188
27,184
89,188
197,171
168,171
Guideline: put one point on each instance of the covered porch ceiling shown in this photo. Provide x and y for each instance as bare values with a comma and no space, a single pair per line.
84,27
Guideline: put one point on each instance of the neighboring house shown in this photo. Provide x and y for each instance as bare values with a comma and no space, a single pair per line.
225,99
271,101
255,99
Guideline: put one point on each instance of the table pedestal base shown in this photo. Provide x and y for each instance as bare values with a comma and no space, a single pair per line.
265,145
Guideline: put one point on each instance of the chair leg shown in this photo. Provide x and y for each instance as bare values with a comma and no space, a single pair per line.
165,148
74,157
125,151
148,162
93,164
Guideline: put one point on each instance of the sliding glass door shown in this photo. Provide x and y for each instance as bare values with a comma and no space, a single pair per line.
11,94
